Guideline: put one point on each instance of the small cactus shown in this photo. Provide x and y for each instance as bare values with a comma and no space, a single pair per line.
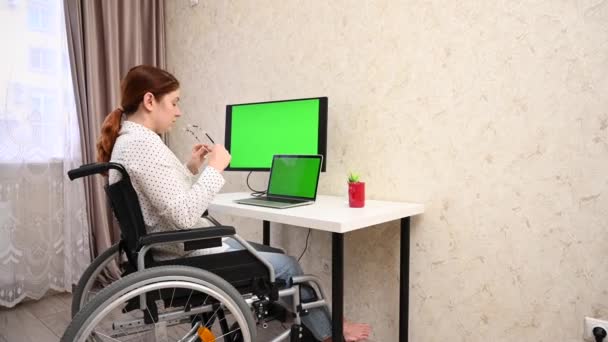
353,178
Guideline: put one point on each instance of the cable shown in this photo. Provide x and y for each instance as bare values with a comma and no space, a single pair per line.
254,193
305,247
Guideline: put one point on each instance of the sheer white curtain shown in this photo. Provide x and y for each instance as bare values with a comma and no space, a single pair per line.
44,233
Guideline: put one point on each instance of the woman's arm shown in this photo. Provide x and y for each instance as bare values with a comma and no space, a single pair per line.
159,177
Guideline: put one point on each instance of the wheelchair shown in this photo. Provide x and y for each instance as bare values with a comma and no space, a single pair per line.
127,295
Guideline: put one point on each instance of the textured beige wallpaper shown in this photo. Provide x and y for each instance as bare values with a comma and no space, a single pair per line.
494,114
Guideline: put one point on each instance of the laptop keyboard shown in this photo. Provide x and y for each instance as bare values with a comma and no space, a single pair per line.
281,200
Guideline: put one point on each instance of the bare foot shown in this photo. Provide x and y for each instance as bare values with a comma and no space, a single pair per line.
356,331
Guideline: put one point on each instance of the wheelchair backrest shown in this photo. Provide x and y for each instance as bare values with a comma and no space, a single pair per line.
127,211
124,202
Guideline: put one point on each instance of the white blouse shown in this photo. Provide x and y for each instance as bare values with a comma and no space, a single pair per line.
170,196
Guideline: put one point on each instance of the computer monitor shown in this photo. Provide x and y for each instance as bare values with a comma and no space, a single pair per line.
255,132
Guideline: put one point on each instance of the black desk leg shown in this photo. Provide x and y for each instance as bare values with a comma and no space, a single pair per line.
337,286
404,269
266,233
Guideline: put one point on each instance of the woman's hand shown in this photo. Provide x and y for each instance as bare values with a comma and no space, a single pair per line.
219,158
199,152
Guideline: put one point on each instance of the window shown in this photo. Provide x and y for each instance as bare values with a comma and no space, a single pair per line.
17,93
37,112
41,15
43,102
35,119
65,62
43,60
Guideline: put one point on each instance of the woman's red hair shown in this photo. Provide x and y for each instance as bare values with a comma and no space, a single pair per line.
139,80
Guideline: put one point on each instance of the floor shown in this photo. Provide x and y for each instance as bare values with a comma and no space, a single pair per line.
46,319
36,321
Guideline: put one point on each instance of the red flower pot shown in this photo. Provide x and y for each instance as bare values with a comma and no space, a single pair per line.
356,195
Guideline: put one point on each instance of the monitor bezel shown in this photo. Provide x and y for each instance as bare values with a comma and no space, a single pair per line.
322,133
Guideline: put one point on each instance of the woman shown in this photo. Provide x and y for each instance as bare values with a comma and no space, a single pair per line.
171,195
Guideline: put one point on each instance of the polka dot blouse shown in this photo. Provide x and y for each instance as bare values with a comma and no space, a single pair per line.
170,196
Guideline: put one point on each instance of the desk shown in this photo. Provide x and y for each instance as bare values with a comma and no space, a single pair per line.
332,214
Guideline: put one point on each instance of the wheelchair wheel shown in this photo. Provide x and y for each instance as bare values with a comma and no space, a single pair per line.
99,271
181,304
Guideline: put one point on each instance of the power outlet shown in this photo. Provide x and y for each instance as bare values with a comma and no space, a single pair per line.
591,323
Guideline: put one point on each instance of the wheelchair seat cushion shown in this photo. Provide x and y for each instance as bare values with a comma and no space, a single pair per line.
238,268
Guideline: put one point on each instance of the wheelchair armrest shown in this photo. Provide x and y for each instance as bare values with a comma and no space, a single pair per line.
95,168
186,235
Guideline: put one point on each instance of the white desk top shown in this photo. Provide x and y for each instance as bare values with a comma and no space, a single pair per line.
328,213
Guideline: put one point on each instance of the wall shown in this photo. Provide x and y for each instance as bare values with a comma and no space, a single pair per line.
493,114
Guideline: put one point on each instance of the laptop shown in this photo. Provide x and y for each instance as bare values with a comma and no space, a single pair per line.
293,182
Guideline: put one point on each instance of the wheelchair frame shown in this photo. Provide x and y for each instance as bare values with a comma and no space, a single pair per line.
259,285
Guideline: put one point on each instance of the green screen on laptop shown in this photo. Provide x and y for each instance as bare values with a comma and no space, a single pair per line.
256,132
294,176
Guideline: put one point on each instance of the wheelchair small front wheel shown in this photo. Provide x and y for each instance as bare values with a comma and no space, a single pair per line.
167,303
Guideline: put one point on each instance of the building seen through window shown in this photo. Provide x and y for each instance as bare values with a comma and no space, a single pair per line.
41,15
36,96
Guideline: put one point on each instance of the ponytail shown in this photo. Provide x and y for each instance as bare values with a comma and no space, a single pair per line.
109,133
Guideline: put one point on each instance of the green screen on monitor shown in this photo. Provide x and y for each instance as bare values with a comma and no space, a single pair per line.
255,132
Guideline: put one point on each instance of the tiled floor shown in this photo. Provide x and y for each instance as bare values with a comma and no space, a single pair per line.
36,321
46,319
